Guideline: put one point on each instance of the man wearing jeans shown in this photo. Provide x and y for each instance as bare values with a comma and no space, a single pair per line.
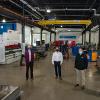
57,60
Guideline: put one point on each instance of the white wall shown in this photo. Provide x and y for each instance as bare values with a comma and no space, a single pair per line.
47,37
27,35
36,30
87,36
79,39
19,29
36,35
95,37
43,36
52,37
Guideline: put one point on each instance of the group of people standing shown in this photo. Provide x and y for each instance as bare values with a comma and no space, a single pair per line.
81,64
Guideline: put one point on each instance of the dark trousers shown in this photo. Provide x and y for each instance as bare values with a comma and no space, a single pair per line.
29,66
57,69
21,60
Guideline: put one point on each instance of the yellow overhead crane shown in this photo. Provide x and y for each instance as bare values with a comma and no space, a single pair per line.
61,22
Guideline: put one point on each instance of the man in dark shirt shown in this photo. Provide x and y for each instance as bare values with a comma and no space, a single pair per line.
29,58
81,64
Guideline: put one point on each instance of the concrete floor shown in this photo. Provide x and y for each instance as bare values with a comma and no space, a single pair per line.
45,87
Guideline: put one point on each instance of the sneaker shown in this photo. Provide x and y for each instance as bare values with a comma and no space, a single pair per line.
76,85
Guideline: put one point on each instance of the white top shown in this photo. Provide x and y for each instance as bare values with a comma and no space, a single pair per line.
57,56
29,51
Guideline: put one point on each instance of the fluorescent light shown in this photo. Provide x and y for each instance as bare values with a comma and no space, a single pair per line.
48,10
56,30
61,26
32,29
2,27
3,20
69,30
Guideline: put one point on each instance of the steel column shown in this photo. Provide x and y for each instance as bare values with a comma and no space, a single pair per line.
55,37
82,39
31,36
23,28
50,36
41,35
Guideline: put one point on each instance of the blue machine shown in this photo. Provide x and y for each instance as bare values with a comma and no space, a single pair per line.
75,50
90,55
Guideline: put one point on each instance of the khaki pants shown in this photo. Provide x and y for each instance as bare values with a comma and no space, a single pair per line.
80,77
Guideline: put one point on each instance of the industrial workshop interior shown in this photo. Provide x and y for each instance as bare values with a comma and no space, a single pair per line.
49,49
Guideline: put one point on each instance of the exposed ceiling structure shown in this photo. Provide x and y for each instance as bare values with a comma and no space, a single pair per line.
66,9
55,9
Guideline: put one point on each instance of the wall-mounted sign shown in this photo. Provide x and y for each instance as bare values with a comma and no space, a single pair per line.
4,27
67,37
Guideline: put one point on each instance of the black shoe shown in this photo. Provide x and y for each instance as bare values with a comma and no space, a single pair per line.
26,79
76,85
83,87
32,78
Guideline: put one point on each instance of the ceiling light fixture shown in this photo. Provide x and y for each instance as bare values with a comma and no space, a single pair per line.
2,27
3,20
32,29
69,30
56,30
61,26
48,10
